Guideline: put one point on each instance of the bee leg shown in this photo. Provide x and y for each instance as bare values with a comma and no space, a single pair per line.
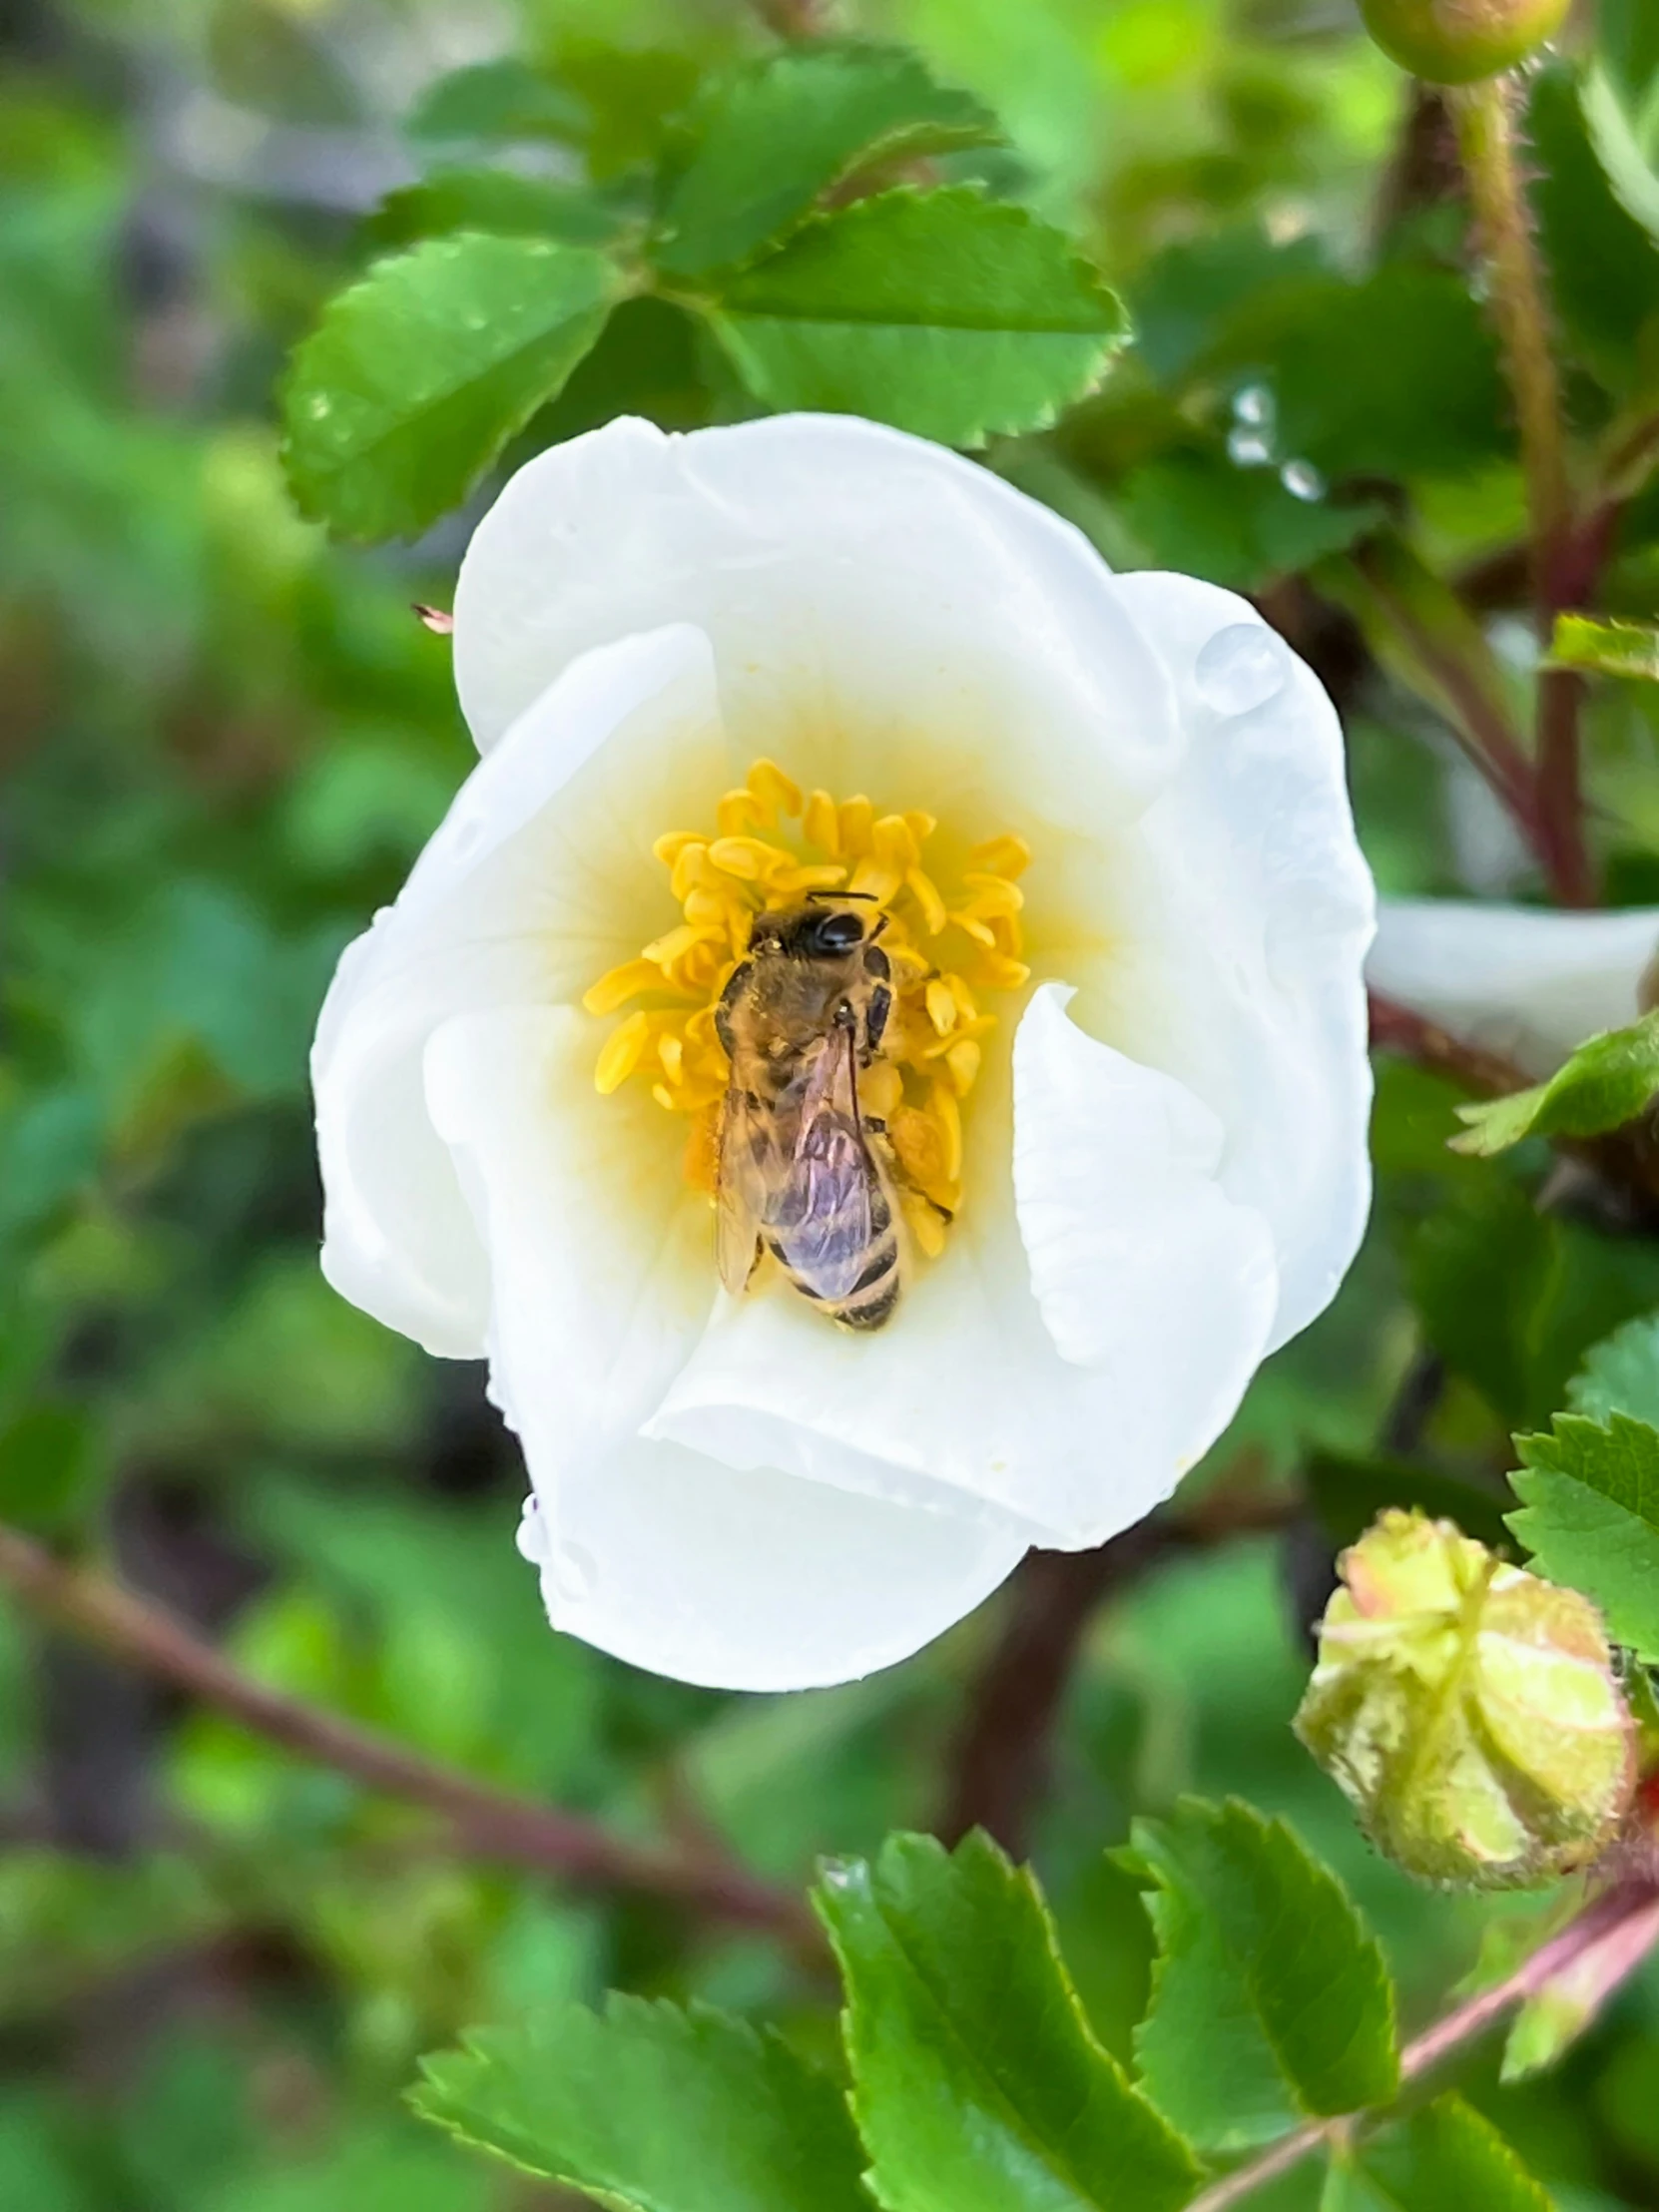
737,981
754,1265
876,1019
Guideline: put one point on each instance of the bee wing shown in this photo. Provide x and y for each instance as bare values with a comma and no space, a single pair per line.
825,1220
752,1167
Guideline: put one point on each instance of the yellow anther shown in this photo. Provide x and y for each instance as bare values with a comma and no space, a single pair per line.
921,825
949,1115
918,1142
941,1006
1004,855
665,951
689,869
671,1052
994,895
702,1154
932,907
939,1048
999,973
788,881
820,824
741,810
750,860
773,788
619,985
857,819
673,842
664,1096
925,1222
881,1087
980,932
872,880
621,1054
963,1062
967,1005
894,843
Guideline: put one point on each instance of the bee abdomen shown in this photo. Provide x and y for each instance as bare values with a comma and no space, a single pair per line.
872,1296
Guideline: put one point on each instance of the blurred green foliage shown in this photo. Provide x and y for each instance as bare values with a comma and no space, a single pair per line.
223,742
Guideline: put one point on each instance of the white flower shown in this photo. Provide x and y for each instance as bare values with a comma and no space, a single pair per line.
1137,1079
1525,981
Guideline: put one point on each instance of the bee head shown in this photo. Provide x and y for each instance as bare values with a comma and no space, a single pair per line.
828,927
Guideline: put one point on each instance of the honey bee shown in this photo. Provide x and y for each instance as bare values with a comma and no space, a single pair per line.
803,1171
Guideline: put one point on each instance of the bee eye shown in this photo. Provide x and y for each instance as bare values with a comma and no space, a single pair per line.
838,933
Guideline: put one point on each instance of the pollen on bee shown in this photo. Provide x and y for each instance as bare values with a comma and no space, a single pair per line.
774,844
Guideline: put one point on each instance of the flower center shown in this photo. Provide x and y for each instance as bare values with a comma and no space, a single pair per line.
772,848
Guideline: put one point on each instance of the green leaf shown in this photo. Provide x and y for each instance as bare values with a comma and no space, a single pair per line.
415,378
772,135
1193,510
1621,104
1608,1081
491,103
944,312
499,201
1513,1298
647,2108
1269,2001
1347,1491
1446,2158
47,1468
1590,1493
977,2085
1621,1375
1608,647
1603,265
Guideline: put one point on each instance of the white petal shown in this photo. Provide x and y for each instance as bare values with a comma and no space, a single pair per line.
537,881
965,1390
1141,1265
1520,980
750,1580
601,1256
882,612
1247,908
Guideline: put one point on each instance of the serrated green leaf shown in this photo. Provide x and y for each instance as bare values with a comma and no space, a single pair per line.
977,2085
1620,1374
1270,1999
941,312
777,132
491,103
647,2108
1608,1081
1608,647
1590,1497
415,378
1446,2158
499,201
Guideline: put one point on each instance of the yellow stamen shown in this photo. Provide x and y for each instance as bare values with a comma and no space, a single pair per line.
621,1054
933,1050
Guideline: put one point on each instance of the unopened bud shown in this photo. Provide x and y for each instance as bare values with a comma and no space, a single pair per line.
1457,42
1469,1709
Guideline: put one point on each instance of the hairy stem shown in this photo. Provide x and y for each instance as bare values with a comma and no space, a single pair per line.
1485,115
1621,1923
491,1823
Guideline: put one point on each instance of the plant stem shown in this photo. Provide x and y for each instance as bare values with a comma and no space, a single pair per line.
1487,137
489,1821
1621,1922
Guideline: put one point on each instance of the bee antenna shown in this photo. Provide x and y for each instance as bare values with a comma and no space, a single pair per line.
817,898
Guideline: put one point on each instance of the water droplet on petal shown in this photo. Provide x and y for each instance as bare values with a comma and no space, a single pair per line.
1301,481
1253,404
1240,668
1248,449
572,1573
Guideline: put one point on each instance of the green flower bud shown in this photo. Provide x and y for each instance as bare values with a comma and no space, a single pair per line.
1469,1709
1457,42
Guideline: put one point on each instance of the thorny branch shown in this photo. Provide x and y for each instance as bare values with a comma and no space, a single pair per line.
1621,1925
491,1823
